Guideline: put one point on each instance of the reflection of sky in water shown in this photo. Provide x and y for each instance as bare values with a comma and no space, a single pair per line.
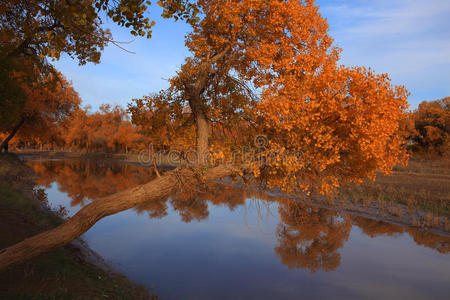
56,198
230,255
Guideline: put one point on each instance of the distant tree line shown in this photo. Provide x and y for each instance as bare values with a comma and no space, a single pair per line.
106,130
54,120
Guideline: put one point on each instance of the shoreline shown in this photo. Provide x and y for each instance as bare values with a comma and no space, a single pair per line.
397,214
74,269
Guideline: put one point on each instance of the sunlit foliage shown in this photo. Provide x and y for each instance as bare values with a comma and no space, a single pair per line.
50,102
429,128
268,67
107,130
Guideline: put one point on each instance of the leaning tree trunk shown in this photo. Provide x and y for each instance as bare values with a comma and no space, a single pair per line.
4,145
74,227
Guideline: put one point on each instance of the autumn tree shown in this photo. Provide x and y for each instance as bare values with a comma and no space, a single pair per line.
48,28
166,122
271,64
108,129
33,31
51,101
430,132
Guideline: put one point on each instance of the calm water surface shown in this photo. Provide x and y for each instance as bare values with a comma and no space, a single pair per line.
227,243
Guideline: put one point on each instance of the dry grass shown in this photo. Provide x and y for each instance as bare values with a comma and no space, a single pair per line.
423,184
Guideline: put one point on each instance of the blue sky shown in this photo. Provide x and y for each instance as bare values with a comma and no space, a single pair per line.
408,39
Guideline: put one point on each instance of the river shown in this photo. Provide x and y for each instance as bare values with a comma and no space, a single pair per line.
228,243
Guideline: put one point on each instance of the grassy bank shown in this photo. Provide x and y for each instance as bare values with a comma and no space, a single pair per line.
423,184
60,274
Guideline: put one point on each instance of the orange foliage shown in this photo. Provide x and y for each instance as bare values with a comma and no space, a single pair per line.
430,128
268,67
166,122
106,130
33,31
345,122
52,27
50,102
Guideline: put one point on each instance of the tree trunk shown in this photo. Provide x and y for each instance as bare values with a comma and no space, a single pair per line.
202,139
201,121
198,106
4,145
74,227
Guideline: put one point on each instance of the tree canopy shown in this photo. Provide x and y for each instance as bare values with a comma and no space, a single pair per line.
49,102
48,28
33,31
269,68
429,128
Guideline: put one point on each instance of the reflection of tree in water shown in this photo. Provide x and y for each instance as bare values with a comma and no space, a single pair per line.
156,209
310,237
193,205
436,242
190,206
375,228
89,179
